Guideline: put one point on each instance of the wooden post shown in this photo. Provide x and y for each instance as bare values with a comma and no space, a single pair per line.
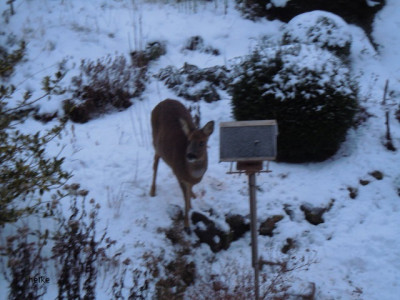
251,168
253,227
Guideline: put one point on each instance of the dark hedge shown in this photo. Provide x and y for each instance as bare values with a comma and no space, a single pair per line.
352,11
306,89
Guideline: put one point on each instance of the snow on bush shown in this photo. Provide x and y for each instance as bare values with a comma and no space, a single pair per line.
110,83
105,84
193,83
324,29
307,89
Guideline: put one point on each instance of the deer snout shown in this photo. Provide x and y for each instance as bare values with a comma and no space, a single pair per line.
191,156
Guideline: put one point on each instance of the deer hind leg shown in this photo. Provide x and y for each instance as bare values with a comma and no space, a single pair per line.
155,167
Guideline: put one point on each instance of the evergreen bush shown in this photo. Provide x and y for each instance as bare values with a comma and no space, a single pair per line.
308,90
193,83
26,171
326,30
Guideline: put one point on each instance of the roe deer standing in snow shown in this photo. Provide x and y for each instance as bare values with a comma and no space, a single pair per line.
181,145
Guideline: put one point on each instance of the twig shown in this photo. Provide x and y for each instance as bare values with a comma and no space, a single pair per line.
389,144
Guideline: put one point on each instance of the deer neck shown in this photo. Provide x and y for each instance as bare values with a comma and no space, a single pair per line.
197,168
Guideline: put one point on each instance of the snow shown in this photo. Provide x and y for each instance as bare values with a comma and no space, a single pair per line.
299,62
319,27
279,3
356,250
372,3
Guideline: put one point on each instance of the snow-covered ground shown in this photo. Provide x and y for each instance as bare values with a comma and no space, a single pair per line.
356,252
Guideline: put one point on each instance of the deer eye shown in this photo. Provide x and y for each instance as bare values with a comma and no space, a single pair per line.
201,143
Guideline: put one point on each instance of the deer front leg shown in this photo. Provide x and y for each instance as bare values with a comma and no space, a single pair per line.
155,167
187,194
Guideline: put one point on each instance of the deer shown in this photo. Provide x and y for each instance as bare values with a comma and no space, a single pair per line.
182,146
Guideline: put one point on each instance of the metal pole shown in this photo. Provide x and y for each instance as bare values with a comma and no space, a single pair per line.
253,227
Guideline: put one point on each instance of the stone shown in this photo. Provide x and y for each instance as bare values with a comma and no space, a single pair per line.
209,233
267,227
239,226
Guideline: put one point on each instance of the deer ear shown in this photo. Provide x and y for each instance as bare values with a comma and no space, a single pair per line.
208,128
184,126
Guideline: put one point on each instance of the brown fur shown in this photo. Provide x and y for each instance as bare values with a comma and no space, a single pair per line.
183,147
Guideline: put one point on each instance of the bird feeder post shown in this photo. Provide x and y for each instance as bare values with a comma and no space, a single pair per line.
249,143
253,227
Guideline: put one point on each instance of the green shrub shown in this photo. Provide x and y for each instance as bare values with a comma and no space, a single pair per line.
74,248
9,60
26,171
326,30
79,252
109,83
23,254
103,85
193,83
308,90
153,51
